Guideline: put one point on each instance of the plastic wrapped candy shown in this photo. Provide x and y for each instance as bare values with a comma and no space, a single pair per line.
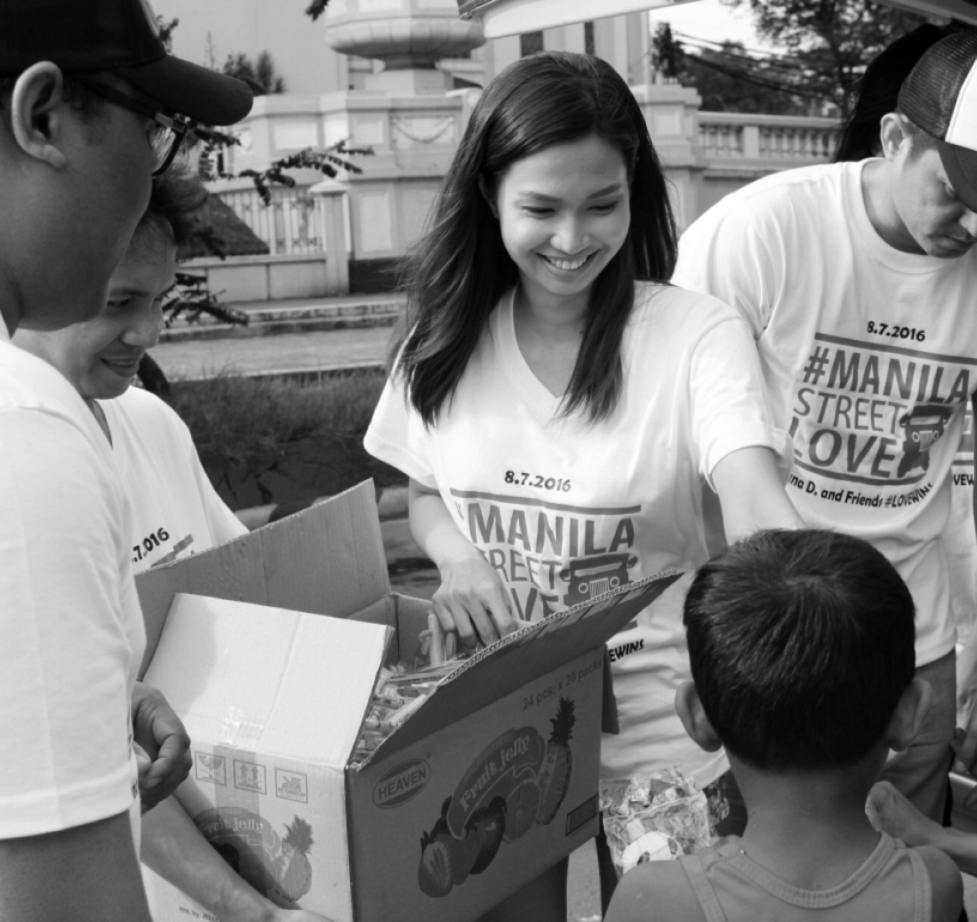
403,688
653,817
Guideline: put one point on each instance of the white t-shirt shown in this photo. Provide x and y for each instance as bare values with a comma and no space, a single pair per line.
72,629
564,509
175,508
869,355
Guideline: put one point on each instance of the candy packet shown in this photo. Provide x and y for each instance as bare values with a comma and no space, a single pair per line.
402,689
654,817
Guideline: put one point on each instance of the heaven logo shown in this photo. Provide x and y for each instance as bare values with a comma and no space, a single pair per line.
402,783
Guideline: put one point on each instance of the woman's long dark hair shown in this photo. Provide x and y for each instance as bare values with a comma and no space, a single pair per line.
877,90
460,269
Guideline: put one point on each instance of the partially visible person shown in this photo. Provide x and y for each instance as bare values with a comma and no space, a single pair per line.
558,407
801,644
176,510
857,281
876,94
87,103
891,813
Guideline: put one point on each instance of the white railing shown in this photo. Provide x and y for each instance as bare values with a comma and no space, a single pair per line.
729,138
290,225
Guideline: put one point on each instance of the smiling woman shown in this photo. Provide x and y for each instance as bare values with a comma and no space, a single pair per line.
557,404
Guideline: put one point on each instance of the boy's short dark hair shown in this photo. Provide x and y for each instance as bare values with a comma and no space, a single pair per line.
801,643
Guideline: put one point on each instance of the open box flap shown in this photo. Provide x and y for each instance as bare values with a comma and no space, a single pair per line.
326,560
261,678
520,657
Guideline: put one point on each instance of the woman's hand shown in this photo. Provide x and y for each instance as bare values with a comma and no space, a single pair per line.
472,598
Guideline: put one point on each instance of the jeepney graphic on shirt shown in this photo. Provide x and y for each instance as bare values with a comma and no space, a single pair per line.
868,419
550,555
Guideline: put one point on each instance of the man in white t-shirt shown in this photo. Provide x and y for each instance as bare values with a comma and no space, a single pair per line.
85,91
858,280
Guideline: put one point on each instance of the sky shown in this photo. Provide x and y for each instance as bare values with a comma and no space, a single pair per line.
711,20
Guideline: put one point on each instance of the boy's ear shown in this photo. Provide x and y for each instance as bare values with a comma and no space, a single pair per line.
911,711
892,134
487,195
36,113
693,717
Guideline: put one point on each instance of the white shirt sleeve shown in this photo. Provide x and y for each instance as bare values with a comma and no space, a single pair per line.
398,436
727,406
731,254
66,609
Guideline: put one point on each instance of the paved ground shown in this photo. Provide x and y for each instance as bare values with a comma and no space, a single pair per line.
317,351
363,338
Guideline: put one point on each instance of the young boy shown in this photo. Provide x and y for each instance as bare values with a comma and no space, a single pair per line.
801,644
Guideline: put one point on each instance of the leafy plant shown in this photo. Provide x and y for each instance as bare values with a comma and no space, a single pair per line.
212,161
831,40
192,297
247,430
316,8
261,74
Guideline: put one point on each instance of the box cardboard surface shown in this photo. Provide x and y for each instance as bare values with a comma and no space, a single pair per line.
486,785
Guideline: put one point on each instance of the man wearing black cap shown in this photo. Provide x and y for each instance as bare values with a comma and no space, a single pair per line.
89,104
859,282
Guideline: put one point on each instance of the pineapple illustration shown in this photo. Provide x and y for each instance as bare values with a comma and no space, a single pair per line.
295,872
554,774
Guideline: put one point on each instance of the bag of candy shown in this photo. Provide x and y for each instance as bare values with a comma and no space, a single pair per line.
654,817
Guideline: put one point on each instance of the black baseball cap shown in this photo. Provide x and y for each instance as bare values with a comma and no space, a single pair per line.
121,36
940,96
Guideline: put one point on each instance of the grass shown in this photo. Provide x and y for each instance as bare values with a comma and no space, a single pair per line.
249,424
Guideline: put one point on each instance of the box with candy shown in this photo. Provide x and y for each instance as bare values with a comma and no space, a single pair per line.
360,765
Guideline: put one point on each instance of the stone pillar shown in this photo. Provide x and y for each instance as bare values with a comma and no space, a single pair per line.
331,206
670,113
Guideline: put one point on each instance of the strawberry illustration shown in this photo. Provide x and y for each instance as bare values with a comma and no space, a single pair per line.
434,875
554,774
295,871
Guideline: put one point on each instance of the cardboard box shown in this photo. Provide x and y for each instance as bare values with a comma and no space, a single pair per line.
486,785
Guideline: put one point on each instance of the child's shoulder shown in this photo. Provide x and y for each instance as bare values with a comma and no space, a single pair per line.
657,890
945,882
